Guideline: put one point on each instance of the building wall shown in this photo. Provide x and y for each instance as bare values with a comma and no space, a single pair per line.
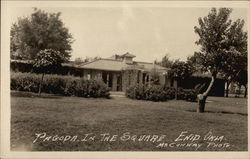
162,80
168,82
218,88
132,77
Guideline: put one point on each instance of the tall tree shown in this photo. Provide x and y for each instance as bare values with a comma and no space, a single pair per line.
40,31
236,58
216,39
166,61
236,69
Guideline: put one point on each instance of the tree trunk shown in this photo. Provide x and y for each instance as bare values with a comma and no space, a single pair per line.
228,83
245,94
239,90
176,90
202,97
40,85
201,102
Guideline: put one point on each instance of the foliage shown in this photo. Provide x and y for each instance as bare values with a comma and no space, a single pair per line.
90,59
236,70
25,82
86,88
40,31
159,93
241,79
194,60
181,70
78,61
48,59
166,62
219,39
56,84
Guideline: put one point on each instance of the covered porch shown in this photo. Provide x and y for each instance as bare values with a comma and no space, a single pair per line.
113,79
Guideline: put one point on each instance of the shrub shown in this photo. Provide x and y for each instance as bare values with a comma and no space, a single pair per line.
159,93
170,92
187,94
57,84
25,82
71,87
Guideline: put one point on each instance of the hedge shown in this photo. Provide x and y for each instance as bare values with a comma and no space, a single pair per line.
65,69
58,84
159,93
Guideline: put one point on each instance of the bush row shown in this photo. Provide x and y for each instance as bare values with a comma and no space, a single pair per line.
57,84
65,69
159,93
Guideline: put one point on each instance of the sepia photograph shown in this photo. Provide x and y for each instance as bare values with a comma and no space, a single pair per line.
125,77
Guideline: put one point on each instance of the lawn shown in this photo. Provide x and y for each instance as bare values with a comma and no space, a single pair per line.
122,124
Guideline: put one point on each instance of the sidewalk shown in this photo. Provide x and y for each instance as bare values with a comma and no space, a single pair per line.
117,94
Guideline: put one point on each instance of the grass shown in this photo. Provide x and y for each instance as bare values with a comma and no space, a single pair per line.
75,116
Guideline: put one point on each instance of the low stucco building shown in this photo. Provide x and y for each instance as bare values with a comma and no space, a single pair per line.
120,71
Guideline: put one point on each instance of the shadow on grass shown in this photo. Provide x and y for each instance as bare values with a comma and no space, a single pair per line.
45,95
32,95
221,112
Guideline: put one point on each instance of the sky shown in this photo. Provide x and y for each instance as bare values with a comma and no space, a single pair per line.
147,32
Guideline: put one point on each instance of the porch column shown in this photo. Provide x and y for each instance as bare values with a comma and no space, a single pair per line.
124,82
100,75
84,74
149,79
114,82
140,77
107,79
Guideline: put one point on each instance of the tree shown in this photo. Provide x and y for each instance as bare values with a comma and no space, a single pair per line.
90,59
46,60
78,61
241,80
216,39
236,71
40,31
237,54
166,62
194,60
179,71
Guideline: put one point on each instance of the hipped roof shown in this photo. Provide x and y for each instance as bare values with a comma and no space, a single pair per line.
119,65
